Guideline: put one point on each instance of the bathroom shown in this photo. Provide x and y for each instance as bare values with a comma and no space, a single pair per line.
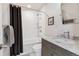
44,21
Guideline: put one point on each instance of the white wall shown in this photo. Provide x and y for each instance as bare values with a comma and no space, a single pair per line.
4,20
76,29
5,14
0,23
0,27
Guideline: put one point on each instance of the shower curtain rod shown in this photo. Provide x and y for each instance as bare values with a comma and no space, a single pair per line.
30,8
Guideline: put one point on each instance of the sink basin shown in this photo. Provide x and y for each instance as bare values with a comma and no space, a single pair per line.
65,41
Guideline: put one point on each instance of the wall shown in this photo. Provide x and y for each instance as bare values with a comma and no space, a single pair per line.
5,21
0,23
5,14
54,9
0,27
76,30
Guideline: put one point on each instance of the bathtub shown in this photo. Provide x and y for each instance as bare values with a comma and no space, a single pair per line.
28,46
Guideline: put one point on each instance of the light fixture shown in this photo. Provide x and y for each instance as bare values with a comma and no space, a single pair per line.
28,6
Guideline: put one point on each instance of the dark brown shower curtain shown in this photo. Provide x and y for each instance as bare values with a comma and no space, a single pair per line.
16,22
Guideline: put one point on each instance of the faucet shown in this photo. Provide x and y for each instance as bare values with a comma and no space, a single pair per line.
67,35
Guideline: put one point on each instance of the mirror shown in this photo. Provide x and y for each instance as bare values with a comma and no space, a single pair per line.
70,13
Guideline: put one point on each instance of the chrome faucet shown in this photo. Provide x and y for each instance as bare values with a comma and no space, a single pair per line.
67,35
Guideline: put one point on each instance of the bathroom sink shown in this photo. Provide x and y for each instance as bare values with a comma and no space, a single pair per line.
65,41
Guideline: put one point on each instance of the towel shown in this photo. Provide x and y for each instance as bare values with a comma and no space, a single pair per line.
8,35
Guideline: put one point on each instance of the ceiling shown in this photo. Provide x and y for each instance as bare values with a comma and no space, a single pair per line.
36,6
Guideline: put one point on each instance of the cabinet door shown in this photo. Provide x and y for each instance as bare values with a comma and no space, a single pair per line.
45,51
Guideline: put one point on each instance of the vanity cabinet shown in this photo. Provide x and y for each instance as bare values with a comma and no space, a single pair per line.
50,49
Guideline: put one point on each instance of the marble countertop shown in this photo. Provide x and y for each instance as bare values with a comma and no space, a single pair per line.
68,44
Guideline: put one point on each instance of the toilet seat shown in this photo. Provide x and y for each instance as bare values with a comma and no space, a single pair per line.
37,49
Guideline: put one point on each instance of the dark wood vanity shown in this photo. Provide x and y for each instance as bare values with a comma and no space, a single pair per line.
50,49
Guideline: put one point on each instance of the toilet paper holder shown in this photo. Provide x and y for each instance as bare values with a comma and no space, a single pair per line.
2,46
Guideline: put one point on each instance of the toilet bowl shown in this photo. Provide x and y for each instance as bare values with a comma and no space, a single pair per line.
37,49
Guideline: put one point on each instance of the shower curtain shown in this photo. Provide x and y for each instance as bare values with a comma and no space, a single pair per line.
16,22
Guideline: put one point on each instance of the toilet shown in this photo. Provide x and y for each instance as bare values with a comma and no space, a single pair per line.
37,49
